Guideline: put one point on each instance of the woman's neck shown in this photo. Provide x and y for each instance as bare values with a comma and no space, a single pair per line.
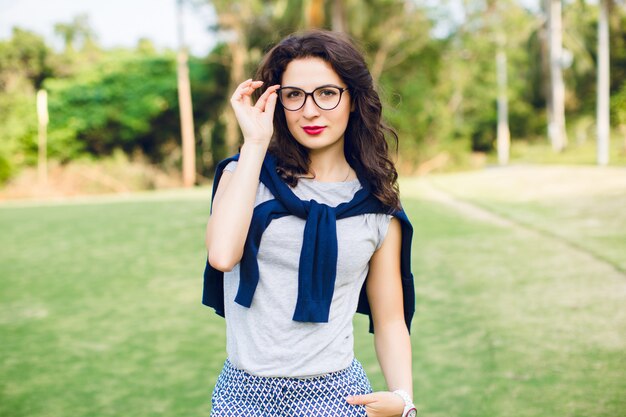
328,167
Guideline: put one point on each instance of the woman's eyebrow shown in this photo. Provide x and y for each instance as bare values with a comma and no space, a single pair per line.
323,85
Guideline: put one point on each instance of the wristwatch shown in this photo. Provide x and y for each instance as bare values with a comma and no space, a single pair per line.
409,407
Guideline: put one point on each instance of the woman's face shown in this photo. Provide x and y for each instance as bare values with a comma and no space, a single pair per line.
314,128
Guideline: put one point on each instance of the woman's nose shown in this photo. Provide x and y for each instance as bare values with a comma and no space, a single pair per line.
310,109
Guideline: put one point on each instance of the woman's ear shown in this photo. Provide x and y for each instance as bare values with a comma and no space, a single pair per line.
352,106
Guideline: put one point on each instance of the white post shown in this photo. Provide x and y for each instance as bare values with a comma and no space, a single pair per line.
558,135
504,134
42,116
603,85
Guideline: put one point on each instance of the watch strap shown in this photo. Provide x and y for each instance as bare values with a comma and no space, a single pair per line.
408,403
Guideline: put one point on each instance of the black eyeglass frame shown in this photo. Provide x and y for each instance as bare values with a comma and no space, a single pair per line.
306,96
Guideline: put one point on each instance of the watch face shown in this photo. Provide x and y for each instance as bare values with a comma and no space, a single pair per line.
412,413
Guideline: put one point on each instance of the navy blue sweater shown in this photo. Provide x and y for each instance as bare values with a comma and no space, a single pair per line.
318,258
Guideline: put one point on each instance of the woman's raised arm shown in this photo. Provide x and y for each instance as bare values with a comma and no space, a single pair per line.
233,202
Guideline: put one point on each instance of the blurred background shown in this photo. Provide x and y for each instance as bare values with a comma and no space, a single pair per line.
455,77
512,159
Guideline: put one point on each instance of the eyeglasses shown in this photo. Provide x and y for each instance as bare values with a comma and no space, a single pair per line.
326,97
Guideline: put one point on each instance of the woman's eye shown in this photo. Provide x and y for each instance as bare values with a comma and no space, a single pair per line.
328,92
294,94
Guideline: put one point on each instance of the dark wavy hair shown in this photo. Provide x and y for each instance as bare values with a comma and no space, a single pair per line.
365,138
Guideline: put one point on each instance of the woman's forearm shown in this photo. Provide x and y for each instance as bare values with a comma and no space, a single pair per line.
231,215
393,349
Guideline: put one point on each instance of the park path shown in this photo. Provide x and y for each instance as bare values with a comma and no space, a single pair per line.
582,181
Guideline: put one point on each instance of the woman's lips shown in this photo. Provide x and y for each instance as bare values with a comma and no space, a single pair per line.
314,130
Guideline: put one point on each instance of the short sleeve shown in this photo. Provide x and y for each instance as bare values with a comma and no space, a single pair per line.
230,167
383,221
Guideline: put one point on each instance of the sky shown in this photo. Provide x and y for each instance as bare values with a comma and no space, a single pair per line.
115,22
124,22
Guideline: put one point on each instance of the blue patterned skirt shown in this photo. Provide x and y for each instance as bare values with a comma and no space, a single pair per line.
238,393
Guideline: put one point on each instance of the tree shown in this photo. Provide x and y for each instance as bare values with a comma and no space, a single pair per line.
603,84
503,132
76,34
314,14
185,105
248,27
556,126
23,58
338,22
232,18
23,67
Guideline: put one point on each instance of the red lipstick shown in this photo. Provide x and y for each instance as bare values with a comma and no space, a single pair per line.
313,130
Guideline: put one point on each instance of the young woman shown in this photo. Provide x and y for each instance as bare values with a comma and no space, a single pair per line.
306,229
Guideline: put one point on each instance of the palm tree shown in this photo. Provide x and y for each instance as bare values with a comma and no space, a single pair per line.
78,30
556,126
314,14
603,84
339,16
184,103
232,18
503,141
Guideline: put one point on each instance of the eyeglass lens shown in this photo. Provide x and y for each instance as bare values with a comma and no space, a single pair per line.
326,98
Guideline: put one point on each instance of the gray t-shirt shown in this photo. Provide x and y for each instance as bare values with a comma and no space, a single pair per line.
263,339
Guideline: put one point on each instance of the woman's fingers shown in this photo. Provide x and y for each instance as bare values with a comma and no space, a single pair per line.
265,103
244,91
238,94
270,105
262,102
256,122
363,399
381,403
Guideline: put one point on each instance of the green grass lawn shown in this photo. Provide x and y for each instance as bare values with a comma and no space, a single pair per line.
100,311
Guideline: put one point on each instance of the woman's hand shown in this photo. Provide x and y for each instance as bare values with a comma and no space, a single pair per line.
256,122
380,404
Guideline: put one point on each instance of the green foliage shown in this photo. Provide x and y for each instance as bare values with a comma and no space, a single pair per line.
24,56
209,88
109,105
18,133
23,66
76,34
438,92
99,101
617,40
618,106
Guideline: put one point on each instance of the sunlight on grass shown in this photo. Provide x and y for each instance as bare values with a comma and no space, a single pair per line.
100,307
578,152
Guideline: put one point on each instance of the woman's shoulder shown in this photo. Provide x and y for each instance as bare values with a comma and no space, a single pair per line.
230,167
263,194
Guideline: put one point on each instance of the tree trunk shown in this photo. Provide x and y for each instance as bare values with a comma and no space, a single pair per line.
237,70
186,110
556,129
393,30
603,84
315,14
42,116
545,64
504,135
339,16
238,47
